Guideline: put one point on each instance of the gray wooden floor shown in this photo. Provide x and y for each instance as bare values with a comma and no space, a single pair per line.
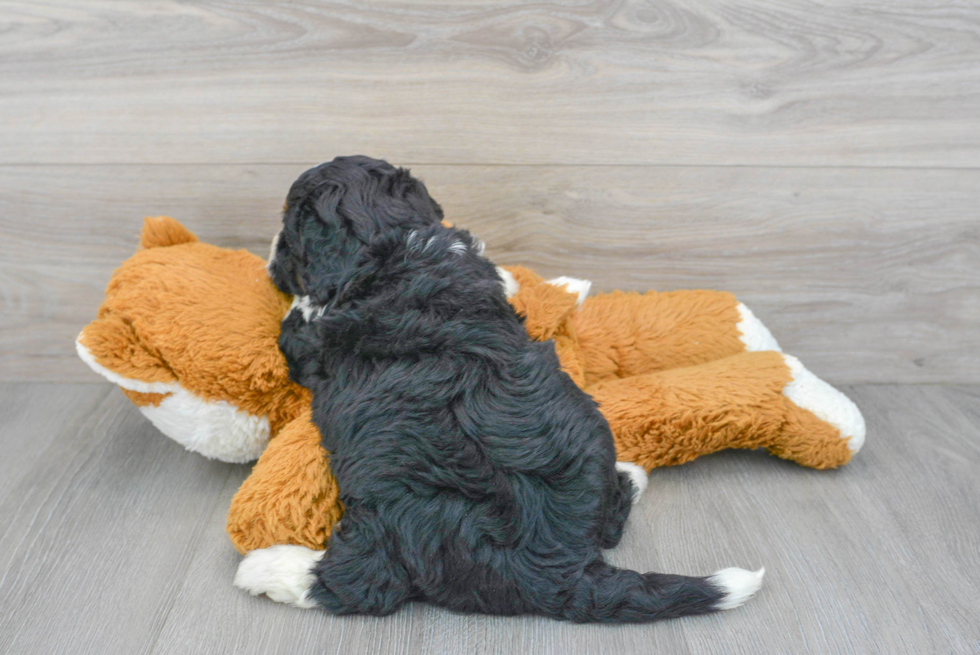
112,541
820,160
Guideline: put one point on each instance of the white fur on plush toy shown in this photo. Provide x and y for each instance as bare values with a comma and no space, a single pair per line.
753,333
573,285
806,390
825,402
283,573
214,428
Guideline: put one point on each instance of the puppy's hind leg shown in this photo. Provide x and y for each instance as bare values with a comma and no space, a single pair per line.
358,575
355,576
623,498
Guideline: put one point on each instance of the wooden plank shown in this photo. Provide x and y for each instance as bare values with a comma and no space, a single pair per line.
867,275
97,533
114,542
492,81
31,420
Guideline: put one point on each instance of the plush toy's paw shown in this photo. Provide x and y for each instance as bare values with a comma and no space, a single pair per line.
573,285
283,573
828,404
753,333
638,477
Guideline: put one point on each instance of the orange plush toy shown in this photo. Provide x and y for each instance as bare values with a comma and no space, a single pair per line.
189,331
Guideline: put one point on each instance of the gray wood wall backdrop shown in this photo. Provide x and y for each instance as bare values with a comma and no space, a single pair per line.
821,160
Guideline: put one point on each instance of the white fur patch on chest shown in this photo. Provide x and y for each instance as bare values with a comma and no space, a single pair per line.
307,308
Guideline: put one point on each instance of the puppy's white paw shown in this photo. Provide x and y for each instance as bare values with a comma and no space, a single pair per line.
638,476
511,286
737,584
283,573
825,402
573,285
753,333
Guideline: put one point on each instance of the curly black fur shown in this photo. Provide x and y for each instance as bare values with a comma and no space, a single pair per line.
474,473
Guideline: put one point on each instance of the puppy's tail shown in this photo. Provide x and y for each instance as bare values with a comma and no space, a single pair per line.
610,595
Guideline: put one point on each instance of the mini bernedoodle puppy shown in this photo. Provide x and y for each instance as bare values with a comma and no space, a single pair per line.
474,474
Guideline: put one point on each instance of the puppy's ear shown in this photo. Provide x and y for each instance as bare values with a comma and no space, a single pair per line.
323,249
283,266
161,231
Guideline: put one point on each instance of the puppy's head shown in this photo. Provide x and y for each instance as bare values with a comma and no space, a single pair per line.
334,213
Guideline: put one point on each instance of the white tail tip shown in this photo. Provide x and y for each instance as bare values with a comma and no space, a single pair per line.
737,584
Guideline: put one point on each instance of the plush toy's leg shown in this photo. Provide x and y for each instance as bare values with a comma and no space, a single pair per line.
284,573
751,400
625,334
291,497
815,413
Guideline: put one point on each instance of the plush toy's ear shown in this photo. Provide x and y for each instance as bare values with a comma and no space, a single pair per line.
110,346
160,231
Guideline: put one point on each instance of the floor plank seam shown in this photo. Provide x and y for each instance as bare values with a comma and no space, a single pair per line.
216,507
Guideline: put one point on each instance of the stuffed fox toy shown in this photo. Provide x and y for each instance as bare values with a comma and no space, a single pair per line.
189,331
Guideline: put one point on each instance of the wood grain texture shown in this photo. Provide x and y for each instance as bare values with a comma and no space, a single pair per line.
820,160
31,420
867,275
97,533
113,540
494,81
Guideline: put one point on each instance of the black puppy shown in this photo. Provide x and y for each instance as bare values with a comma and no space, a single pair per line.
474,474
